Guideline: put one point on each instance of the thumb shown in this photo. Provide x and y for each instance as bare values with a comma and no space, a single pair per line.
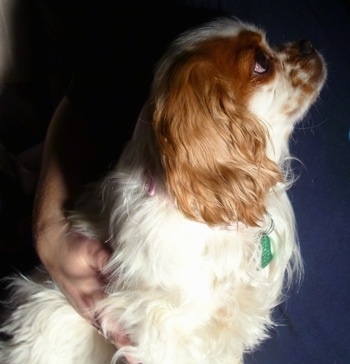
102,257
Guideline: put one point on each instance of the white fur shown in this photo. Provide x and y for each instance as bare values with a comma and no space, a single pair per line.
183,291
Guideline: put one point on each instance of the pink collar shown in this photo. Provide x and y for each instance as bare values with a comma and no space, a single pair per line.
150,184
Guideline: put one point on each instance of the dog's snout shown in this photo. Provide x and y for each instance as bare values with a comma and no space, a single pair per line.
305,47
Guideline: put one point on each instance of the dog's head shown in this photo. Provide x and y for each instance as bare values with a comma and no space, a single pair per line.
224,104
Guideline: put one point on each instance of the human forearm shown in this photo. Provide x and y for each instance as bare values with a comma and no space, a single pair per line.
69,160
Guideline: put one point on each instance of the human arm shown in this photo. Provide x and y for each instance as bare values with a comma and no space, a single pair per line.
71,158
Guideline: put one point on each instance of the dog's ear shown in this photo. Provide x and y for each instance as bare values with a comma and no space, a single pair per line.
213,151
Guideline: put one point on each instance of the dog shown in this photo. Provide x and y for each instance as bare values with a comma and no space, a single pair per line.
196,211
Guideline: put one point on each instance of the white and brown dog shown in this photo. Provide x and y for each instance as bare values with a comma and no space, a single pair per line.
196,211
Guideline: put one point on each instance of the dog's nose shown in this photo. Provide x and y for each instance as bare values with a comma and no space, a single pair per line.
306,48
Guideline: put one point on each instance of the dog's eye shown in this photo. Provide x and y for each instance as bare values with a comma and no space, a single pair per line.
262,63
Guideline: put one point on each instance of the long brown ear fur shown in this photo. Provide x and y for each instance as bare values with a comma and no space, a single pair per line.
213,151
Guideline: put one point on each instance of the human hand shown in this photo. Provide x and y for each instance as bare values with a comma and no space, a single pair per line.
80,278
75,263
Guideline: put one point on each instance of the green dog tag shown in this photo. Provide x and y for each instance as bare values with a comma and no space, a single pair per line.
266,254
